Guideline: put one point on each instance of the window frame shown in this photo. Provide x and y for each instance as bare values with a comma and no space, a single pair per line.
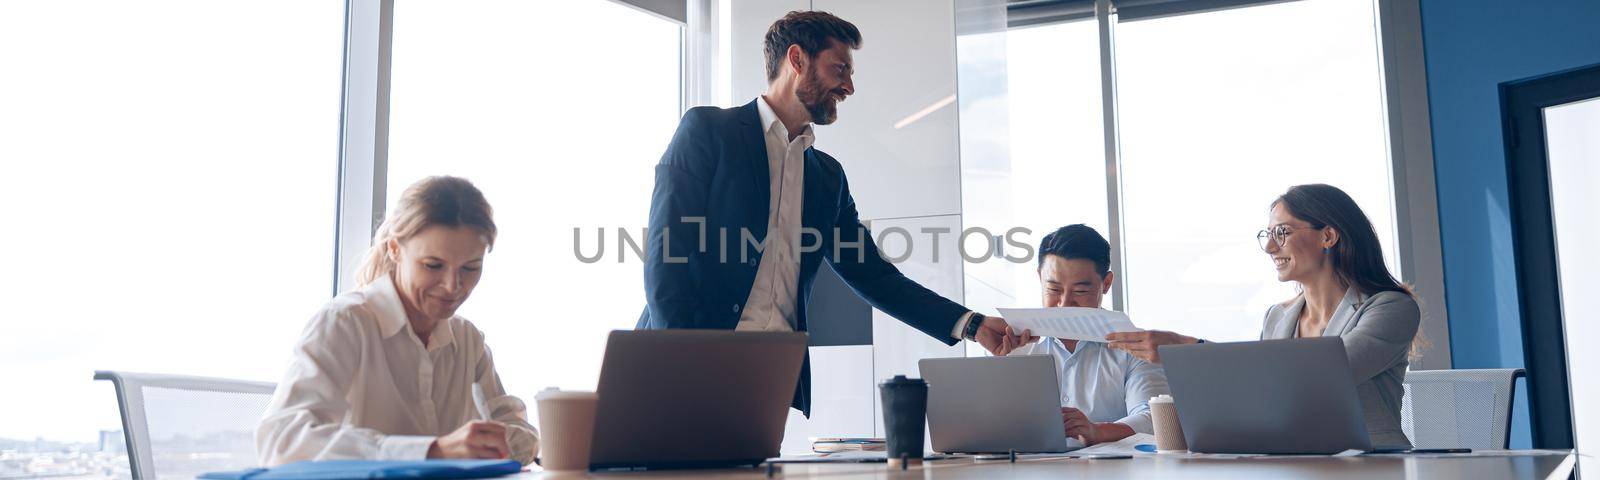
1407,130
363,133
364,123
363,155
1408,138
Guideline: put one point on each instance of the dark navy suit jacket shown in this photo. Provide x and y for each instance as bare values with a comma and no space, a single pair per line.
714,179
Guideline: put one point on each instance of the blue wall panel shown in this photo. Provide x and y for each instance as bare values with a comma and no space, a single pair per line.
1471,47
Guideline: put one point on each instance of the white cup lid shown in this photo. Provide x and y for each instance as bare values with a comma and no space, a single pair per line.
553,393
1163,398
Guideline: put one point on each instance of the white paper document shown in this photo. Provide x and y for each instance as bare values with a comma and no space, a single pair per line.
1073,323
1126,446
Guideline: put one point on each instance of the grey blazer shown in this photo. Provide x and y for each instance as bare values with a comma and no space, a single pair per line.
1377,332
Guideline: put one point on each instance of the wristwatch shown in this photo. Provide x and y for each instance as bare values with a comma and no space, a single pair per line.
971,332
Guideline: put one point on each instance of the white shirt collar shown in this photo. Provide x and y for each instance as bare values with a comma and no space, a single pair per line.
770,122
384,297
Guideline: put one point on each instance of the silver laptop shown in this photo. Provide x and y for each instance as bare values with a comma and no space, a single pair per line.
994,404
694,398
1272,396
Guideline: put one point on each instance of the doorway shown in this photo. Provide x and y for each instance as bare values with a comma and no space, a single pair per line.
1552,132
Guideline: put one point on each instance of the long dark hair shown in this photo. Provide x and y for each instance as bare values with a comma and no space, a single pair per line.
1357,258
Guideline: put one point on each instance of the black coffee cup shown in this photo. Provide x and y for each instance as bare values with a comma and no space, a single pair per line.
905,410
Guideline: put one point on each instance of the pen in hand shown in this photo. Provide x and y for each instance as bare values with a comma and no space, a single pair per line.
480,401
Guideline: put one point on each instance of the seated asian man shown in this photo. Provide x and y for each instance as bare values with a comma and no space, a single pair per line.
1104,392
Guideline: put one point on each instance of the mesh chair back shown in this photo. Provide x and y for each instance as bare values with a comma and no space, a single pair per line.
1459,408
181,426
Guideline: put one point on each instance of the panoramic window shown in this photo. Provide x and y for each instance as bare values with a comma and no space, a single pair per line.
560,123
169,173
1207,93
1197,94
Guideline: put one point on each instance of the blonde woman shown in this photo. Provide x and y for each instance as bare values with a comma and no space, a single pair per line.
385,371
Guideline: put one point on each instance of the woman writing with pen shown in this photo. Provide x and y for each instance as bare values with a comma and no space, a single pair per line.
387,371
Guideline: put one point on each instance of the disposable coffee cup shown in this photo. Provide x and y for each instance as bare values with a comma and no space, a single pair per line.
905,413
1169,434
566,429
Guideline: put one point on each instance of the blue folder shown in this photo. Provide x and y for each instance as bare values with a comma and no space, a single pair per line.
357,469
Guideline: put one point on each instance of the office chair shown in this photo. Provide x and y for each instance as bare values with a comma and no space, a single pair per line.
181,426
1459,408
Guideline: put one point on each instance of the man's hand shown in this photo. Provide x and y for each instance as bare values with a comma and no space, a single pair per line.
1077,425
1143,344
475,439
998,339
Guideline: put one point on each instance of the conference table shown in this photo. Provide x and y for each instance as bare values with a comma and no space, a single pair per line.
1519,464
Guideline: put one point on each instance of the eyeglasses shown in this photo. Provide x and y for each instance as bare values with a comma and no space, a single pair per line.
1278,235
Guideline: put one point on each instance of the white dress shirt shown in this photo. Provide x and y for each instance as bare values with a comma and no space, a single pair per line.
776,291
361,385
1107,385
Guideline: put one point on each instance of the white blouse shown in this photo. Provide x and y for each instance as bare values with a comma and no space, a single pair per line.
362,386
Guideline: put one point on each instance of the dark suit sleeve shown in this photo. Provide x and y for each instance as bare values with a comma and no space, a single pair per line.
855,256
682,186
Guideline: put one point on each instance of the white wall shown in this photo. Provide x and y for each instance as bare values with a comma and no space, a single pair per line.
907,64
750,19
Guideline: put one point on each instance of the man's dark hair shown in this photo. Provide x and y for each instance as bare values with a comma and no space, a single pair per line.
813,31
1075,242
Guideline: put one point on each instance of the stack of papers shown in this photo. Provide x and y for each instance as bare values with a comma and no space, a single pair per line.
848,444
1070,323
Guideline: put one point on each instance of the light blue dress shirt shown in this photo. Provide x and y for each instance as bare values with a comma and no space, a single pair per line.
1107,385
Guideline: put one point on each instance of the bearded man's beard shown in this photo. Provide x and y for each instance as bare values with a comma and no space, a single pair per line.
818,102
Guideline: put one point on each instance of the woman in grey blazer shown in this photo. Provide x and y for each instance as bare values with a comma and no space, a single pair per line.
1319,238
